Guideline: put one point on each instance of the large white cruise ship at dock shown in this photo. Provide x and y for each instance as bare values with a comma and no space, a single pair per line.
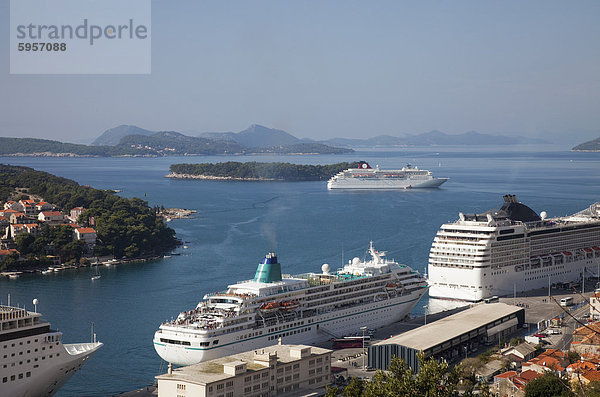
33,360
512,249
365,177
301,309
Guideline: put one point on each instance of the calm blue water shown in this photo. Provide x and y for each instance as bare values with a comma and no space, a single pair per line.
239,222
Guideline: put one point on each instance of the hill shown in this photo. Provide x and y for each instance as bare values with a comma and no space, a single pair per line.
256,136
113,136
171,142
592,146
45,147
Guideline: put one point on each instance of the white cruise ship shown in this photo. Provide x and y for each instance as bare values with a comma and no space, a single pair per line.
365,177
300,309
512,249
33,360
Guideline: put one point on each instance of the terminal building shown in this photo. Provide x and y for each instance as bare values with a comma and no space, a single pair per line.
279,370
452,337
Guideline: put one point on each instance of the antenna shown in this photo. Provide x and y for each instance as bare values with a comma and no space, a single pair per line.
35,303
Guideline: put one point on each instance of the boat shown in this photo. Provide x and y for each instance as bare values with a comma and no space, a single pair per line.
96,275
301,309
366,177
34,361
512,249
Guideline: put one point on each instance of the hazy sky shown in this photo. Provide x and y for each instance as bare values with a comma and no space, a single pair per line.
324,69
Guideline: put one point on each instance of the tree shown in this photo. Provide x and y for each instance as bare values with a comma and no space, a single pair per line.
434,379
331,391
25,243
354,388
548,385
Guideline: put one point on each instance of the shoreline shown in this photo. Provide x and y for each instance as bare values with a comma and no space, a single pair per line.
174,175
59,268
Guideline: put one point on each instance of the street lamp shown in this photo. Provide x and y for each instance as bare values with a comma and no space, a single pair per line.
363,329
426,308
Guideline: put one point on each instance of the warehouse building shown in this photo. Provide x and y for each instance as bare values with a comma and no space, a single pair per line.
451,337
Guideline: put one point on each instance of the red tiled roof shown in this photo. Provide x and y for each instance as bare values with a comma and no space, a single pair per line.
83,230
9,252
52,213
506,375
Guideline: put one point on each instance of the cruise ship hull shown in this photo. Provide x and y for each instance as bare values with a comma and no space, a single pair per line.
51,373
512,250
356,183
321,329
506,283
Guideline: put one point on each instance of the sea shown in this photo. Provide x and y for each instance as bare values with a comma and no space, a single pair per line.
305,224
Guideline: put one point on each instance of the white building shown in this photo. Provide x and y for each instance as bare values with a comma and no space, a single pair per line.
277,370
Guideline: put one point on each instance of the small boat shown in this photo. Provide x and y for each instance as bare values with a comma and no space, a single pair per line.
185,247
96,275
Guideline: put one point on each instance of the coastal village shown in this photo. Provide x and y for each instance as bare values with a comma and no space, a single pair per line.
29,216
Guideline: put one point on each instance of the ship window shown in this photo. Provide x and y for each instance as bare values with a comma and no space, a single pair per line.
4,380
20,376
12,377
28,374
215,342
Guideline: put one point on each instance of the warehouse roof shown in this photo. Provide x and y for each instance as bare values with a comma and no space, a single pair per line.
450,327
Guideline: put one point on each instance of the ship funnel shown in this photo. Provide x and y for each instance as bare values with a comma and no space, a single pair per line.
269,270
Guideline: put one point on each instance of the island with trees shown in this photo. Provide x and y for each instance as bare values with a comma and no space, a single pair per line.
45,219
256,171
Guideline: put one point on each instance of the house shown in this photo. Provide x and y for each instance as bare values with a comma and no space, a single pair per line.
75,213
43,206
13,205
17,217
586,340
7,212
522,352
550,360
28,207
20,228
512,383
8,252
595,306
87,234
51,217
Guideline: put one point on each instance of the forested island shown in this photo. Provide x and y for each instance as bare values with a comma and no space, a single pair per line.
67,215
255,171
590,146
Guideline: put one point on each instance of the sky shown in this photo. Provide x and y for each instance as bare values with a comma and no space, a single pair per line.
324,69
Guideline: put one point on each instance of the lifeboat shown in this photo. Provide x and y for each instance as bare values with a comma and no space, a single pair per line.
391,286
270,307
291,305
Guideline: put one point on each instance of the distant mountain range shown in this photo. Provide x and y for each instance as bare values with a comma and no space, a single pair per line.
113,136
436,138
258,135
591,146
128,140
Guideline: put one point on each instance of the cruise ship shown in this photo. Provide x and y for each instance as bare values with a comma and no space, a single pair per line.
365,177
512,249
33,360
300,309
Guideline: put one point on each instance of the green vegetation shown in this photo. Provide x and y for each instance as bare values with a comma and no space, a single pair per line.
125,227
255,170
434,379
166,143
33,146
549,385
158,144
